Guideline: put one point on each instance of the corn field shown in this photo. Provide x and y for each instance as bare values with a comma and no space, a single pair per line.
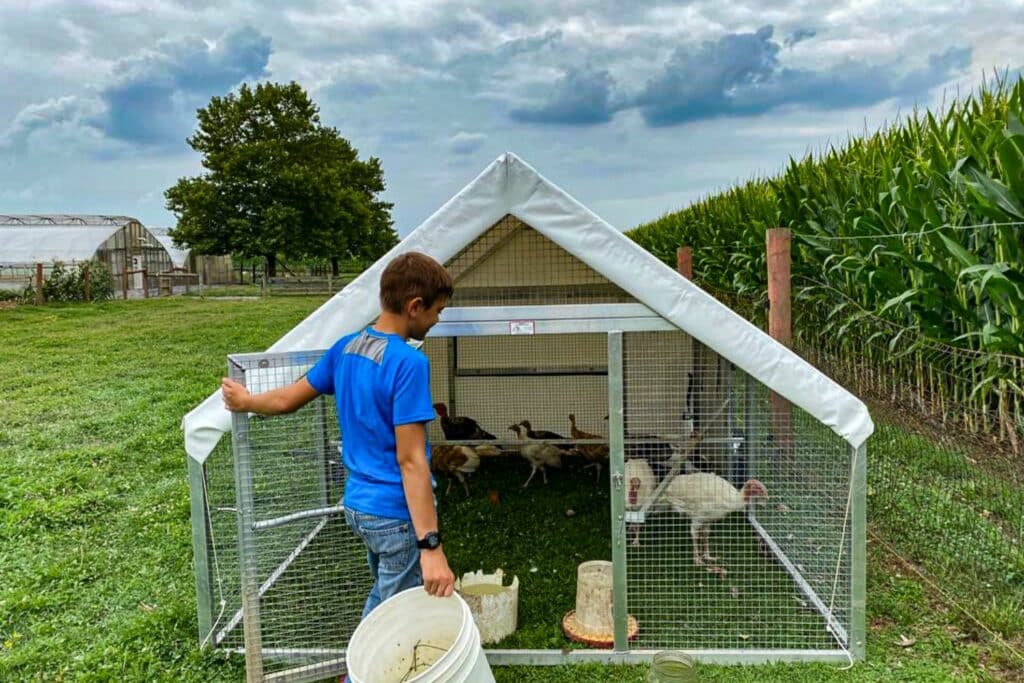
908,258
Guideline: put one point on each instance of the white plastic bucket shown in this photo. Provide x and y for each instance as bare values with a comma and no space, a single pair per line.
438,632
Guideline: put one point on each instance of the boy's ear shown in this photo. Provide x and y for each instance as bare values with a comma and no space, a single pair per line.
414,305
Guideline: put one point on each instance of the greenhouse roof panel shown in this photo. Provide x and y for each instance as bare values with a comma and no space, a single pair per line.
23,244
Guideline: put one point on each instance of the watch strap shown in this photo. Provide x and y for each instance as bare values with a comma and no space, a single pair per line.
429,541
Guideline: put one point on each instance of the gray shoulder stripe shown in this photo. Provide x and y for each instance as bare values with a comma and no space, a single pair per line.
368,347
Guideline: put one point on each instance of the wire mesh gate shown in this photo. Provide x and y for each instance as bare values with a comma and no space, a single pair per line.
281,579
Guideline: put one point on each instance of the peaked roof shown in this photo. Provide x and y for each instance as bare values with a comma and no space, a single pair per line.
511,186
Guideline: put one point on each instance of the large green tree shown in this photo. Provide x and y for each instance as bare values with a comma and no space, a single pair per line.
279,182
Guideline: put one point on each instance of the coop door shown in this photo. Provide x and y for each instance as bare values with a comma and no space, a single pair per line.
137,280
303,572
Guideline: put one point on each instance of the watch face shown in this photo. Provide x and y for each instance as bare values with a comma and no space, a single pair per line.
430,541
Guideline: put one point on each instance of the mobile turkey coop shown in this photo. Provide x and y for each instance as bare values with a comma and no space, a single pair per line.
555,312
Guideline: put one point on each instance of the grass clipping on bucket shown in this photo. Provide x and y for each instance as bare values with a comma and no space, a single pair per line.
424,655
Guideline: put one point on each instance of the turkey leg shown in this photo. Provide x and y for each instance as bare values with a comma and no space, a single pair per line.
695,534
707,546
532,472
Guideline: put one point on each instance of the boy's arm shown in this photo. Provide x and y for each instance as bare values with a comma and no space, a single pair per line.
274,402
411,445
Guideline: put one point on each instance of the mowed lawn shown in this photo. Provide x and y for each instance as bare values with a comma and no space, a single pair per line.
96,580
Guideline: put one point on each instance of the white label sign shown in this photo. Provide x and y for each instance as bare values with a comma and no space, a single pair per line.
521,327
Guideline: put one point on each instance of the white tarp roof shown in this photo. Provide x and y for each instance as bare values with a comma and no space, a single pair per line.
47,243
511,186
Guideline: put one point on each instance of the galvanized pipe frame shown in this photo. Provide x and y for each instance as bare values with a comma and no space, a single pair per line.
337,665
794,573
704,656
298,516
203,568
309,672
272,579
244,483
858,551
579,319
616,484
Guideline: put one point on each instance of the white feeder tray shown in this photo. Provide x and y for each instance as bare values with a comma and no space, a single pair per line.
495,607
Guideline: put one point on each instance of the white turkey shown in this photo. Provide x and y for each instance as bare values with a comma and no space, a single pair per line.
706,498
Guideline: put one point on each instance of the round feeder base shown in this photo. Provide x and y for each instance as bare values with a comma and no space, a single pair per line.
574,630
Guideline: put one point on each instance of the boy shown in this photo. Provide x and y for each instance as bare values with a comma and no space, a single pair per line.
382,391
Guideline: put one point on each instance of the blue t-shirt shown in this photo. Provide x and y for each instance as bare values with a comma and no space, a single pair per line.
378,382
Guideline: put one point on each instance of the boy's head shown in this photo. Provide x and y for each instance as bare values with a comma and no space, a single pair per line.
416,287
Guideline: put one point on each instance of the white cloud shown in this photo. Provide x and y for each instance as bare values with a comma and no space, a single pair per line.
150,98
463,143
428,87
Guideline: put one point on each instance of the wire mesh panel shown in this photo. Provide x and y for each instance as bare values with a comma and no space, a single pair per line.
535,501
716,560
302,572
215,534
501,381
513,264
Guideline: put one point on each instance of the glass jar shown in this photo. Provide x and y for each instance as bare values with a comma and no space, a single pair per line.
672,666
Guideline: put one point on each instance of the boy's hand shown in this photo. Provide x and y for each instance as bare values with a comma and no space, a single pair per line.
236,396
438,578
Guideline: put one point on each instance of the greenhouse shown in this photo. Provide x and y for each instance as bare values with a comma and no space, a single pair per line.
122,243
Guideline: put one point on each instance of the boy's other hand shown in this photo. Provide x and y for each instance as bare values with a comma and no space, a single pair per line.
438,578
236,396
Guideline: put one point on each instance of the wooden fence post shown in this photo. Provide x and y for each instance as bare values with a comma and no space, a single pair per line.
85,281
780,321
124,282
696,404
684,262
145,284
39,284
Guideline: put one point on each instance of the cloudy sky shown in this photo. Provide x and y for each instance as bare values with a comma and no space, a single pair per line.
635,108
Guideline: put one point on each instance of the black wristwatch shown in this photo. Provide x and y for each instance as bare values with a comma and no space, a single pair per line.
429,542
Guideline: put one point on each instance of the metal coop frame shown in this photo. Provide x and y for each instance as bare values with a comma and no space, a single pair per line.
557,316
275,531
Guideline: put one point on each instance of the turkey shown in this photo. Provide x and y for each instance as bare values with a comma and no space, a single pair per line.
458,461
594,453
706,498
461,428
539,455
540,434
641,483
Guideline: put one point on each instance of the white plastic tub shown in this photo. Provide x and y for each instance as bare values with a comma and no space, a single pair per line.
414,637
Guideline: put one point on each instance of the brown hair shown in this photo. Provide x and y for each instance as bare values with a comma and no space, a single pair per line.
411,275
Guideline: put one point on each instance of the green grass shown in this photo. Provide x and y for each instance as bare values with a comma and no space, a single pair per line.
96,581
226,290
529,535
978,513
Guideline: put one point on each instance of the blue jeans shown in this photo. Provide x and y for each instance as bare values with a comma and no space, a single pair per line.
391,553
